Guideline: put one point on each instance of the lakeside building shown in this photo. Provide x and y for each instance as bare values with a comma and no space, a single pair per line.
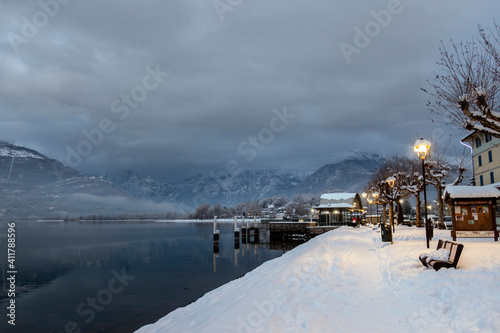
485,157
339,209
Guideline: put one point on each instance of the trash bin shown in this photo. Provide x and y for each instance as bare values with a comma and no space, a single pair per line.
386,232
429,229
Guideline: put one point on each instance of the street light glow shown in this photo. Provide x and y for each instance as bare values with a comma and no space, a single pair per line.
391,181
421,147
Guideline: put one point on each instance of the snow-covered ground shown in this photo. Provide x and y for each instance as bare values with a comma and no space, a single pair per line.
347,280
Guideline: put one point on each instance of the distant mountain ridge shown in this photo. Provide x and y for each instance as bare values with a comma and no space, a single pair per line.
349,175
142,187
34,185
199,189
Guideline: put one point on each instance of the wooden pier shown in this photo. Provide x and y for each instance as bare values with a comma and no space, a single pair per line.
286,229
278,233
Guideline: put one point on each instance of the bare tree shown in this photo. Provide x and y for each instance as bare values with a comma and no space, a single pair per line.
414,184
466,91
393,169
254,210
406,174
217,210
202,212
437,172
490,40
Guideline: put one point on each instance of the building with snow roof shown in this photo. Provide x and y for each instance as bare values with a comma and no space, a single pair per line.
339,209
473,210
485,157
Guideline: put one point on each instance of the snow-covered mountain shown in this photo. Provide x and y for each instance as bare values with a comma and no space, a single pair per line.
33,185
225,190
245,186
142,187
349,175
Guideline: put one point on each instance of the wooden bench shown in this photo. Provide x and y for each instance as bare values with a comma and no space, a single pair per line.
455,252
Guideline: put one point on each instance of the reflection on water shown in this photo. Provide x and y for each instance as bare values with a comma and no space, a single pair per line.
117,276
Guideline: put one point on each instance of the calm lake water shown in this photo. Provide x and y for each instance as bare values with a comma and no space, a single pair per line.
116,276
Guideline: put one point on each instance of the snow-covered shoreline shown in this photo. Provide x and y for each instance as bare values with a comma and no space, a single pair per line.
205,221
347,280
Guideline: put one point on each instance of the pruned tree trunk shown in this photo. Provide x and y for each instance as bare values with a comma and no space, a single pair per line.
384,213
440,206
419,214
400,211
391,215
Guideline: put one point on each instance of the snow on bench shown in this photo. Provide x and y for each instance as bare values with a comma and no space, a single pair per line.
446,255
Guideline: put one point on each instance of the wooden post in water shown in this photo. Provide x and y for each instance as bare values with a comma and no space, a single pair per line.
216,236
216,254
236,234
256,230
243,230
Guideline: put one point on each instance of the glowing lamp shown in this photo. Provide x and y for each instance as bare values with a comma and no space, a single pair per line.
391,181
421,147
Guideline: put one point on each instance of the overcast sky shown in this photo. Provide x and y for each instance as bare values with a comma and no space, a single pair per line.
175,88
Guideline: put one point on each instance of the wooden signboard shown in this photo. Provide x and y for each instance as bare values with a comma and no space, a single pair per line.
473,218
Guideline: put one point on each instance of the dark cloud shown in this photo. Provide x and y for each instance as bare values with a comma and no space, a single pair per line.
99,66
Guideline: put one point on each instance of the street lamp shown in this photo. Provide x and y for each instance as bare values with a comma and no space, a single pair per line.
391,180
365,196
421,147
370,201
375,195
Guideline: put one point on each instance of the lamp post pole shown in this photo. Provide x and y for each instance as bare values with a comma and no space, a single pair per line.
365,196
391,181
375,195
369,207
421,147
425,206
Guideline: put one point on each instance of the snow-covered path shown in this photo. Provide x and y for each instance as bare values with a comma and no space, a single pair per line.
349,281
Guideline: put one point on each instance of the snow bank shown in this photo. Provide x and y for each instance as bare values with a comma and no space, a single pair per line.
347,280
